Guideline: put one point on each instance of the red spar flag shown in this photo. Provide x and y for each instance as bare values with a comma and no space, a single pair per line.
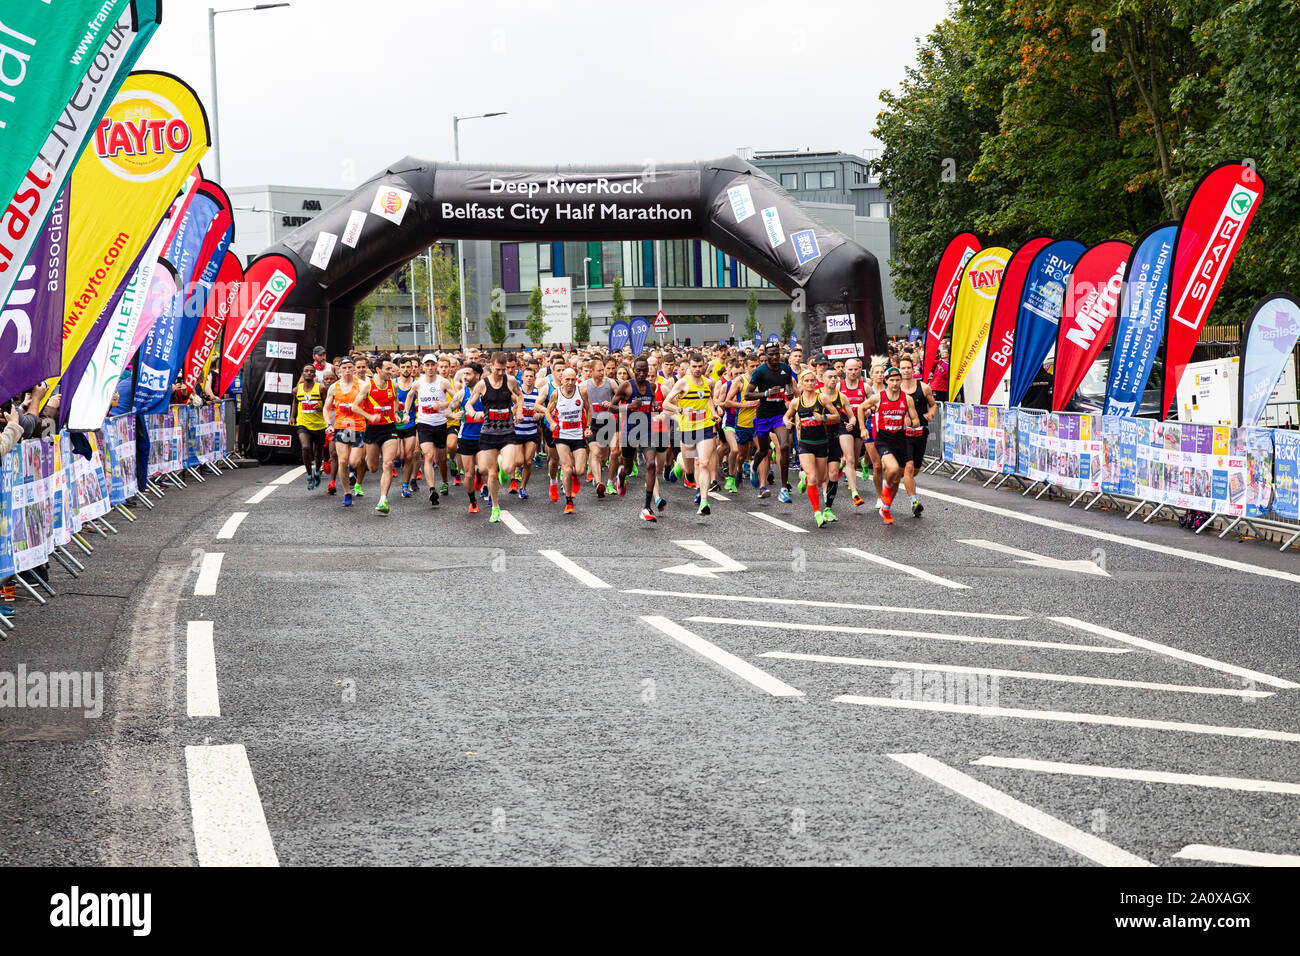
943,294
267,282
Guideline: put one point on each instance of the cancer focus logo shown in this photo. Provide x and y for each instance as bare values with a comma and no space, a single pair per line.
142,137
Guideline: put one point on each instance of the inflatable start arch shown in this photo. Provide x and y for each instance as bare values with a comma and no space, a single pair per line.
346,251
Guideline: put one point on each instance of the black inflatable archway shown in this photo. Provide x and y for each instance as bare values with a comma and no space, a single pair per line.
346,251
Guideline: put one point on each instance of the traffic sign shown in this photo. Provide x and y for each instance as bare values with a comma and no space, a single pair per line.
661,320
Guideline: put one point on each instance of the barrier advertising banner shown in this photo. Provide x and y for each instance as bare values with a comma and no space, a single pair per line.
1286,474
972,316
981,436
1002,330
1269,338
31,497
1140,326
1091,302
266,283
1213,468
1039,315
1214,224
119,442
1074,451
1119,441
943,294
149,142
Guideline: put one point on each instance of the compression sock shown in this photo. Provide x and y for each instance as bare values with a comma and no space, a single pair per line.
649,498
832,489
813,497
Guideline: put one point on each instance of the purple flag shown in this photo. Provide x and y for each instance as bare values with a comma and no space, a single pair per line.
31,325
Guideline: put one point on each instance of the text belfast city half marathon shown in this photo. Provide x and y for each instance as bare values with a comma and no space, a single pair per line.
558,186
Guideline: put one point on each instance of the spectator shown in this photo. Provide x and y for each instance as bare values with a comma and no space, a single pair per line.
939,374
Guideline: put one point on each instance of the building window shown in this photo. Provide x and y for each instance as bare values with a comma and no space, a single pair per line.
878,210
828,180
812,180
789,180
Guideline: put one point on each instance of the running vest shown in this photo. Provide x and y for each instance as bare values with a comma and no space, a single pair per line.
745,416
728,414
407,422
600,396
853,397
497,405
641,406
891,416
527,427
569,414
309,407
917,394
345,418
811,433
382,402
427,397
469,430
694,405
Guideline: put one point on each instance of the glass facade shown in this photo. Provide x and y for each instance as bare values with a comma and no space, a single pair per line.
686,263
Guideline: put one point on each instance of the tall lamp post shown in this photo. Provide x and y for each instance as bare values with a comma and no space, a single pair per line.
460,245
586,284
212,57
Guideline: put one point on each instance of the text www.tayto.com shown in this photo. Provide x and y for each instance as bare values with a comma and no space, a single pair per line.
1203,923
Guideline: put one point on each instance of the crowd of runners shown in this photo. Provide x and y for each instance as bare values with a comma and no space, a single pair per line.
488,425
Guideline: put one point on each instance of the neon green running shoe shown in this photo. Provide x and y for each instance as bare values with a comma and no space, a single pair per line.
819,518
829,515
636,469
495,516
803,483
382,507
730,485
678,467
610,489
356,490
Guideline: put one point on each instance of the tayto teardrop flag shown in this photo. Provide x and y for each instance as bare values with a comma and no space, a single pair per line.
1141,323
225,294
1214,224
150,140
29,324
1002,330
1270,337
1039,315
1088,319
266,283
943,294
105,63
972,316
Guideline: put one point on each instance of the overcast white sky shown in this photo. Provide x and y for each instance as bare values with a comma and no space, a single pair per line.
329,92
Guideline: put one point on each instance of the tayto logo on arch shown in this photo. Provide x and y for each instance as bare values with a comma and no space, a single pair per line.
141,137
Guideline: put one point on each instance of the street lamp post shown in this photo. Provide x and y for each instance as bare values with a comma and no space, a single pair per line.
212,58
586,284
460,245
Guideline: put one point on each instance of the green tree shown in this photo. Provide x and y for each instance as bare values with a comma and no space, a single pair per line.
751,314
582,327
787,325
619,304
496,328
361,319
536,325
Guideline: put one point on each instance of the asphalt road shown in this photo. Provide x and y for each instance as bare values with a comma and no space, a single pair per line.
427,688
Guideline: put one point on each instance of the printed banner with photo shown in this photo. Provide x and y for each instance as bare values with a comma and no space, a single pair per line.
166,442
1286,475
1119,442
1074,451
59,459
980,436
32,501
1211,468
90,484
119,443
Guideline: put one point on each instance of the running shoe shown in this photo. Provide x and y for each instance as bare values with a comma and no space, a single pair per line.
347,500
858,501
880,502
328,465
514,486
7,611
455,479
331,490
478,482
311,479
917,508
620,484
887,516
636,469
731,485
577,486
765,492
819,518
689,483
487,499
444,489
382,507
502,476
555,492
406,490
803,483
648,515
753,477
887,496
714,486
785,495
829,515
600,490
495,516
473,507
704,507
433,496
697,497
356,490
678,467
568,507
415,483
523,494
661,504
610,489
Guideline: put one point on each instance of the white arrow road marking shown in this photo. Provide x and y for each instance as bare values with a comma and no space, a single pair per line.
906,569
1227,854
708,553
1038,560
741,668
1021,814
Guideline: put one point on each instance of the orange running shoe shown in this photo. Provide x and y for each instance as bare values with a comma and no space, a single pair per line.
514,486
555,492
568,507
473,507
887,516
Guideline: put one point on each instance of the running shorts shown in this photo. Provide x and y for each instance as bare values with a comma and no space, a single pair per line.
573,444
896,445
467,447
765,426
435,435
349,438
311,436
378,434
489,442
692,438
917,447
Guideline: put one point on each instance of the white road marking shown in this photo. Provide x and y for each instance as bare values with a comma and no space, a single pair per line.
941,612
1108,720
229,825
1242,672
717,497
778,522
1151,776
1216,561
1024,675
206,585
915,572
894,632
743,669
582,574
261,496
708,553
1081,566
1227,854
290,476
513,523
201,698
1022,814
232,525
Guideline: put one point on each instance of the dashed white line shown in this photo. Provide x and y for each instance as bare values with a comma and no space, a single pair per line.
1242,672
261,495
1215,560
1257,733
513,523
741,668
894,632
209,569
229,824
1022,675
778,522
201,698
1227,854
581,573
1022,814
1150,776
888,609
290,476
232,525
906,569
